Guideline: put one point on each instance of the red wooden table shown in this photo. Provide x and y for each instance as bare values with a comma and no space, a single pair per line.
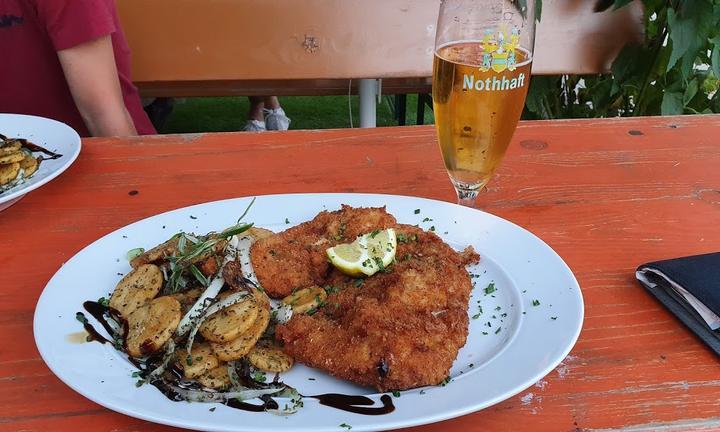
607,195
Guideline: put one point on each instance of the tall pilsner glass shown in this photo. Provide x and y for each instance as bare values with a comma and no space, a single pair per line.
481,74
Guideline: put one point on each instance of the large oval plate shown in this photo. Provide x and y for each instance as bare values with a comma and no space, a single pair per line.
54,136
527,325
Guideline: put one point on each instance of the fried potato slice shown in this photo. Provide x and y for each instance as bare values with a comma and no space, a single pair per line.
239,347
137,288
9,147
12,158
230,322
8,173
269,357
216,378
202,360
152,325
304,300
158,253
187,298
29,165
257,233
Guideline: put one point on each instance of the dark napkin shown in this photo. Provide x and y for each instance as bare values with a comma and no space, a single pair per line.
699,276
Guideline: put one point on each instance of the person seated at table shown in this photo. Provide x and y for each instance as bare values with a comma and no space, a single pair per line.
265,113
68,60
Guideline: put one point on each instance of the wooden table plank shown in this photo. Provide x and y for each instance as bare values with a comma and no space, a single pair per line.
607,195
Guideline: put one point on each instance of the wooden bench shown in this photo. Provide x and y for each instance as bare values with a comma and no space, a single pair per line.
185,48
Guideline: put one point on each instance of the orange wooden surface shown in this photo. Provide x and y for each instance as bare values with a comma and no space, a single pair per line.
607,195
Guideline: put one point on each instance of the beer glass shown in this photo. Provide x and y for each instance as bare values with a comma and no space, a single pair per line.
481,74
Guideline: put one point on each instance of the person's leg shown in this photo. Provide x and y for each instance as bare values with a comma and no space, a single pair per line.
271,103
255,119
275,118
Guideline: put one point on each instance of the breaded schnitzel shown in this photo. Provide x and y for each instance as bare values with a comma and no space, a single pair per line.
397,329
295,258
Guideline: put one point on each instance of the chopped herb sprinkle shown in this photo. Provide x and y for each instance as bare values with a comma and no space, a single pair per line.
346,426
490,288
396,393
81,317
417,211
536,302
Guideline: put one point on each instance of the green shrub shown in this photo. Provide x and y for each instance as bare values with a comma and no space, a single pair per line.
675,70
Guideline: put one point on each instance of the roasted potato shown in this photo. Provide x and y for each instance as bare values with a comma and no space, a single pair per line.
9,172
269,357
137,288
156,254
201,361
187,298
152,325
257,233
12,158
216,378
29,165
9,147
305,300
239,347
230,322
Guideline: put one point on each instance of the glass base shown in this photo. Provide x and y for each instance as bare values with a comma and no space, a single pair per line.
467,193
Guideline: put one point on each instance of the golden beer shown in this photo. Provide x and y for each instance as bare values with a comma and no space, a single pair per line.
478,97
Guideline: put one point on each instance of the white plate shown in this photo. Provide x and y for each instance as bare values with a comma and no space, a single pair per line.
54,136
490,368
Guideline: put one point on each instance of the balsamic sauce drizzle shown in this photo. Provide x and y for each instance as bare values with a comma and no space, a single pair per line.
350,403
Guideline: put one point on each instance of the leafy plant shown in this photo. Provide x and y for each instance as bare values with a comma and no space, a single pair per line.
675,71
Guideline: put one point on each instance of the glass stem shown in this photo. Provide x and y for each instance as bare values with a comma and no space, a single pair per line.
467,197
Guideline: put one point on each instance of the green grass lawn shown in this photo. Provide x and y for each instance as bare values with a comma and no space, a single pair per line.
221,114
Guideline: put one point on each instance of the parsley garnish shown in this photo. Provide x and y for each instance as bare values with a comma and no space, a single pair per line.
396,393
553,318
490,288
103,301
417,211
287,221
259,376
81,317
536,302
346,426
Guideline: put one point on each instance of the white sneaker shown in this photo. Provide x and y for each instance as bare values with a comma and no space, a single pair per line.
254,126
275,119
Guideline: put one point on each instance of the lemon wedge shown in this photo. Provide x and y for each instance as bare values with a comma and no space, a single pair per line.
367,255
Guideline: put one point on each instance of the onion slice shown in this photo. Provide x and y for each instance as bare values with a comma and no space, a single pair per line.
243,251
196,310
216,307
191,395
169,355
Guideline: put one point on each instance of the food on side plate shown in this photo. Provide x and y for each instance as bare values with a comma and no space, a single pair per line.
17,162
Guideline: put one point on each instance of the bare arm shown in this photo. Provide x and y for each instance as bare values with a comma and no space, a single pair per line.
93,80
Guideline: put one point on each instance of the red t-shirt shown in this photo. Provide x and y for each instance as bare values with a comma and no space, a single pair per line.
31,78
